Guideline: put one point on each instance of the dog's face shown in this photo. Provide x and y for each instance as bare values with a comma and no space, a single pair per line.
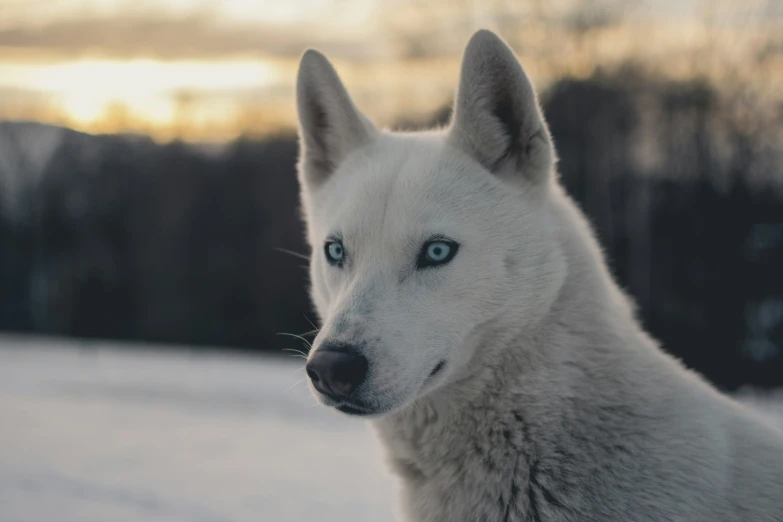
421,241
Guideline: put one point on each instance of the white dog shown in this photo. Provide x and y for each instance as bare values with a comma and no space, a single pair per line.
468,311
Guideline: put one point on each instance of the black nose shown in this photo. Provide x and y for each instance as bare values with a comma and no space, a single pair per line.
336,372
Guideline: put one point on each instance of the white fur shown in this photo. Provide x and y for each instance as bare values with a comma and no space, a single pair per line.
554,404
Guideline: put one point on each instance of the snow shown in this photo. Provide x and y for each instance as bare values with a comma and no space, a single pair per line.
92,432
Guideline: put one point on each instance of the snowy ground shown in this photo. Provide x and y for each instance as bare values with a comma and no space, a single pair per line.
96,433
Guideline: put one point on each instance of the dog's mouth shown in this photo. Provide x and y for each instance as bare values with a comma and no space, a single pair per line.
356,408
360,411
438,368
353,410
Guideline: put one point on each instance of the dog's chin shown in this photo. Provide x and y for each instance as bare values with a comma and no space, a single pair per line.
354,411
354,408
360,410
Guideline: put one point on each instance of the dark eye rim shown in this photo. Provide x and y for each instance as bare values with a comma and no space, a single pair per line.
423,262
332,261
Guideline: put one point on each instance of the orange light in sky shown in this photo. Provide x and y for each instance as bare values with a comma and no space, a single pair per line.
212,68
84,89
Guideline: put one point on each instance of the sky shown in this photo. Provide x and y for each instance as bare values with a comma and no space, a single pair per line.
91,59
208,69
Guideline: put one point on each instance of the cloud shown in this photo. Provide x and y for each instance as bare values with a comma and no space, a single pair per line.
165,37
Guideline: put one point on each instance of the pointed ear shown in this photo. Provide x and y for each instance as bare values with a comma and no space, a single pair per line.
330,125
497,119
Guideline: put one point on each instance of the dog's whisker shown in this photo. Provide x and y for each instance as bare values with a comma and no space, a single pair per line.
296,353
311,323
292,253
298,337
300,381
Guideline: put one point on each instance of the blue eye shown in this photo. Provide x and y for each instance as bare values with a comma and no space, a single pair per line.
436,252
334,252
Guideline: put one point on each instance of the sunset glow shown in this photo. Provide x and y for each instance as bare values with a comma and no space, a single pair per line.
210,69
86,89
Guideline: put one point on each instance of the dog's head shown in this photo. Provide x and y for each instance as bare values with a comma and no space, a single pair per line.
422,241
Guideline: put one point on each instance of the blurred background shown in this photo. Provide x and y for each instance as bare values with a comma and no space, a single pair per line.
149,209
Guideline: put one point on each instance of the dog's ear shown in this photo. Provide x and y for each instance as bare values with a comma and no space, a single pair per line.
497,119
330,125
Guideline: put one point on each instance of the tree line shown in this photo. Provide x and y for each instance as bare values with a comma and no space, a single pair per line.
118,237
